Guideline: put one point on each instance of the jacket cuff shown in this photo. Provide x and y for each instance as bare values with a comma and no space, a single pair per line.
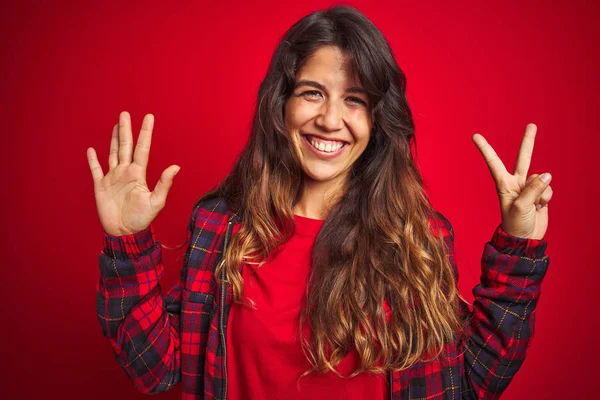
130,246
513,245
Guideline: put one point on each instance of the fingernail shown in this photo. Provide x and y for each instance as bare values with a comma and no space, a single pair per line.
545,177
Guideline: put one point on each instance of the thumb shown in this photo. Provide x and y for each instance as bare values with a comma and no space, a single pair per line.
534,189
158,198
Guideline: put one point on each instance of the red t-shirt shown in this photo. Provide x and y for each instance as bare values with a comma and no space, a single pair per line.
264,357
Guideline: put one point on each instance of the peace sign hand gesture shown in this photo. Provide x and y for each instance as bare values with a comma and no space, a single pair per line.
124,202
523,201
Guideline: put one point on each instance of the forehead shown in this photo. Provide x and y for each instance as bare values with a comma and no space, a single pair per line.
329,65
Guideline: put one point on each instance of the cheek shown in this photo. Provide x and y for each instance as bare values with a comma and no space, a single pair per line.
362,130
292,125
290,112
297,113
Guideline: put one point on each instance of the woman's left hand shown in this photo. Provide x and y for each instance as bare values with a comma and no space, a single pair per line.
523,201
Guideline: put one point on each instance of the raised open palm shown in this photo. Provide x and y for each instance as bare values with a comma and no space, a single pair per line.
124,202
523,201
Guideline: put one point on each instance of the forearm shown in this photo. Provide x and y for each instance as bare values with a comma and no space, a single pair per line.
502,318
143,334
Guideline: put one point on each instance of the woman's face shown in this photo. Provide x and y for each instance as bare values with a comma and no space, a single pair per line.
328,117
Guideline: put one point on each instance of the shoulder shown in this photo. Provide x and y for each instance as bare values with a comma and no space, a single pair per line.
443,228
212,204
441,225
211,212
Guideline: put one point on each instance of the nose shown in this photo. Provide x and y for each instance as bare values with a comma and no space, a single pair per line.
330,116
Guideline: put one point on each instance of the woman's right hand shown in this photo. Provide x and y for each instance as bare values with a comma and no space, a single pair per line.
124,202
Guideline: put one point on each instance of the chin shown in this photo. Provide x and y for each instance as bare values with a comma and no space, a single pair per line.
322,175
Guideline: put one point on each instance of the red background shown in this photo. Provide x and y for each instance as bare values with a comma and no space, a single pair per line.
68,69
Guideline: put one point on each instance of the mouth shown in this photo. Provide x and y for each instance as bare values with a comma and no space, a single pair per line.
324,148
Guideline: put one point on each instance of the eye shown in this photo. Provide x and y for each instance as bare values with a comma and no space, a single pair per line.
314,93
357,100
311,93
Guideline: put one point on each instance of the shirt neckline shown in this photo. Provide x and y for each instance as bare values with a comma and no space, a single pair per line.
307,226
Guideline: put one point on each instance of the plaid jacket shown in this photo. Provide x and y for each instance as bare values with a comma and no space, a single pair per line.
161,341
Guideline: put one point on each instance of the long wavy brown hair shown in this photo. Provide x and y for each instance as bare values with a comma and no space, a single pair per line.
377,242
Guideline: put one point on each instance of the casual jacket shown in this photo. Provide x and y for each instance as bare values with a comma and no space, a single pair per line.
162,341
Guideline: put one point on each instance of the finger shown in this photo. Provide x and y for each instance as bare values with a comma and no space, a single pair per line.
125,138
158,197
113,156
533,189
95,167
544,211
532,176
544,198
142,149
525,151
494,163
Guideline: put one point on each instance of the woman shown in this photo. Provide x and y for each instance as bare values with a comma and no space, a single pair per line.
318,267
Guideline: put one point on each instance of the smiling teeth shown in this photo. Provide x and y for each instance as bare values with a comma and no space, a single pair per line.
327,148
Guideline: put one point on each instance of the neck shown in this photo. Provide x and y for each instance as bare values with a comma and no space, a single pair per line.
318,198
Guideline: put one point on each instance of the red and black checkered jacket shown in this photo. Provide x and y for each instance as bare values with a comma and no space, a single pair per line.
162,341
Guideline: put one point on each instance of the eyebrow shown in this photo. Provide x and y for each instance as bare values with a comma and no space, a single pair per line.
320,86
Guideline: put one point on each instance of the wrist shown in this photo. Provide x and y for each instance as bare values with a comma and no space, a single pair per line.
129,245
507,243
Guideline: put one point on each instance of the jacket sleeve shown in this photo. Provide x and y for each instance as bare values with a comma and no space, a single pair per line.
500,323
141,325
